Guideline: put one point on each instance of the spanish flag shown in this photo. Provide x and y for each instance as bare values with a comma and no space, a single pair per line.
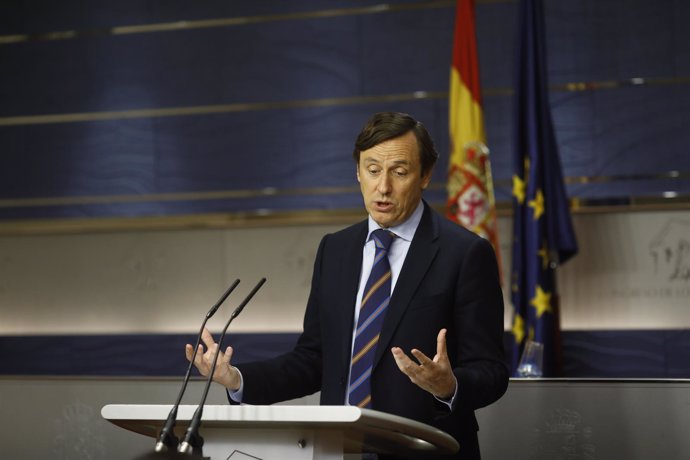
470,189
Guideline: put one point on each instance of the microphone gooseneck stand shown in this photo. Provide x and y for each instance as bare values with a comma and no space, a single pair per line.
167,441
193,442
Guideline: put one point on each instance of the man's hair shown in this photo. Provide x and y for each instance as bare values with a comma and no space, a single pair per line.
384,126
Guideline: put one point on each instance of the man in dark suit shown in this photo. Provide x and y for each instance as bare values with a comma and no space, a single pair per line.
438,355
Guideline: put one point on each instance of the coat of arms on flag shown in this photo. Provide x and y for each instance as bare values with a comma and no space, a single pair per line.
469,201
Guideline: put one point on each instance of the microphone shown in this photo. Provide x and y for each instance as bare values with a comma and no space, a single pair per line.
193,442
167,439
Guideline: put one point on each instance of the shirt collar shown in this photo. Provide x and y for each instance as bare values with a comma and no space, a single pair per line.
407,229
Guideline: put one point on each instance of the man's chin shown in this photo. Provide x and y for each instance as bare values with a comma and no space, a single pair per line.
384,219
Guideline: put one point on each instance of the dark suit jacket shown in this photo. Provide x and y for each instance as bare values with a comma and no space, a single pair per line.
449,279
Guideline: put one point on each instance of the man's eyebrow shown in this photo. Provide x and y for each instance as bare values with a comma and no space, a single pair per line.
395,162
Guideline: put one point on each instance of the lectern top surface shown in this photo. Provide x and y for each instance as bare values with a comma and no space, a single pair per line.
360,423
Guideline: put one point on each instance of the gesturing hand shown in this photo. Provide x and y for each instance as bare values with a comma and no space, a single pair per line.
433,375
224,373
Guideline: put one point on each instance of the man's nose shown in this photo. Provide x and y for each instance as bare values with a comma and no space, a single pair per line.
384,184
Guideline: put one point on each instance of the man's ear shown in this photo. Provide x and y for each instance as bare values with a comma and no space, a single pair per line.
357,172
426,179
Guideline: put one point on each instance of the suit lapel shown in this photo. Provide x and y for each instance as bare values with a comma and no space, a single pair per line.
419,257
350,273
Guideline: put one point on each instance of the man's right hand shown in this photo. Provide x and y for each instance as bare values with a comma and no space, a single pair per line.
224,374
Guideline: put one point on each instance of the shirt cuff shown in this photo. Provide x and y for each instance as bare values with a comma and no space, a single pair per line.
236,395
451,401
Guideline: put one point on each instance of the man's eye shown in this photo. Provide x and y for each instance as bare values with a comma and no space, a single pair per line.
400,172
373,171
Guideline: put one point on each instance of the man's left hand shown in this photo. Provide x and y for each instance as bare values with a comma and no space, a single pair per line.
433,375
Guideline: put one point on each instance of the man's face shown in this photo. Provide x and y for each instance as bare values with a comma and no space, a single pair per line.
390,177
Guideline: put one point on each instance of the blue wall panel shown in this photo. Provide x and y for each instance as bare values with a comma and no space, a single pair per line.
276,57
600,354
248,151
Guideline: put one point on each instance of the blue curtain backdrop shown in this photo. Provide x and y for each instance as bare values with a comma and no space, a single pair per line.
273,96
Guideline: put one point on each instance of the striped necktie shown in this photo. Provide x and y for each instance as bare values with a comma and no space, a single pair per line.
377,293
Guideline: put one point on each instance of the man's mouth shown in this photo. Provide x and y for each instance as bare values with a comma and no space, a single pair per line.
383,205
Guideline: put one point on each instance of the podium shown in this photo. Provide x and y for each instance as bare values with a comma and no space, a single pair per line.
290,432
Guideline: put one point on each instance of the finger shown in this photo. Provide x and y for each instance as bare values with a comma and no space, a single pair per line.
405,364
211,350
200,359
400,357
207,338
421,357
441,350
225,358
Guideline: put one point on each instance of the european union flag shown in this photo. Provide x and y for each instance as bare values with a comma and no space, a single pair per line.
543,235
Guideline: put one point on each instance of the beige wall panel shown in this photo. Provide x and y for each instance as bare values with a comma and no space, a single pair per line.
161,282
505,241
285,256
109,283
632,272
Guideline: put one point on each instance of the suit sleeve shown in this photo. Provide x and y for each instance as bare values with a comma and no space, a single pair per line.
298,372
481,371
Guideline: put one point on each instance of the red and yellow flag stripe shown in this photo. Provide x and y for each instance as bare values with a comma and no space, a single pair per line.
471,200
